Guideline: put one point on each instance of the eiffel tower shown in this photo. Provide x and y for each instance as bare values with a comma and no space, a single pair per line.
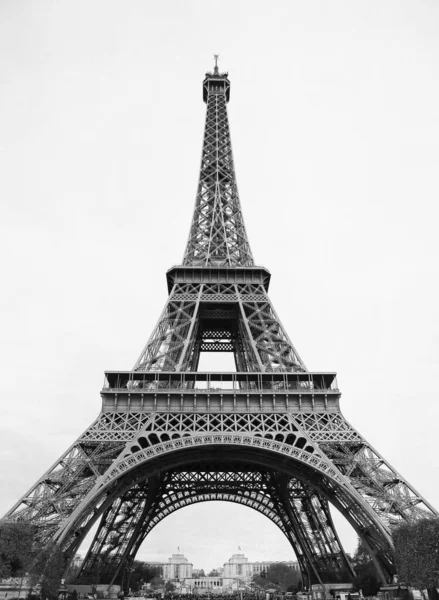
270,436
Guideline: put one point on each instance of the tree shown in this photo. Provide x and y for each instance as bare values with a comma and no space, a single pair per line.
102,570
156,582
21,554
285,578
143,573
260,582
47,569
214,573
169,586
196,573
16,548
366,576
417,554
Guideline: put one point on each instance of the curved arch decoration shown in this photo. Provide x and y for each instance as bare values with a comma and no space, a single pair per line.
125,464
277,515
336,487
242,483
264,508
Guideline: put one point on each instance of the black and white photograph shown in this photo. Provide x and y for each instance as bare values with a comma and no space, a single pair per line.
219,324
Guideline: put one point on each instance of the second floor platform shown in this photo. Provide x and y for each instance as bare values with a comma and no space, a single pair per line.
220,391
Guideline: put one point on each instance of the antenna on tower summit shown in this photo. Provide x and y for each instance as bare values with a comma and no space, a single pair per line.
216,57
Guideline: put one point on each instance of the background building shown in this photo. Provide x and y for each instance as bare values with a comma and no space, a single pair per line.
239,567
178,567
236,574
200,584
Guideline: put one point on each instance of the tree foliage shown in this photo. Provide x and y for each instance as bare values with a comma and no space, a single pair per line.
16,548
21,555
47,570
281,576
214,573
198,573
156,582
102,570
417,553
366,576
144,573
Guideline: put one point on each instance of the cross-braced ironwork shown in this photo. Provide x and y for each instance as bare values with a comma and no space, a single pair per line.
219,317
296,508
270,436
217,236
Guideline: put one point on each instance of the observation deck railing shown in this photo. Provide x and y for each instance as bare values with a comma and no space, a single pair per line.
222,382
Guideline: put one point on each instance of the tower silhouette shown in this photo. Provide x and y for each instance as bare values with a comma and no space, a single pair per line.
270,436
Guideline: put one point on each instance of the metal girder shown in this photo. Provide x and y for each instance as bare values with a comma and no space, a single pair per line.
363,494
289,503
54,496
311,437
242,311
217,236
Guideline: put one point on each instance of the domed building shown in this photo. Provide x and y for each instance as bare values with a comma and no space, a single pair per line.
236,575
177,568
238,567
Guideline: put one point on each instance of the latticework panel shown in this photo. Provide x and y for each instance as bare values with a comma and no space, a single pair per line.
391,497
323,440
117,527
121,525
324,434
217,236
53,498
260,340
275,349
308,512
170,337
319,551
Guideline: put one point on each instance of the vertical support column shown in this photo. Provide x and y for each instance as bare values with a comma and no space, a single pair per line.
116,528
190,354
253,359
170,338
327,561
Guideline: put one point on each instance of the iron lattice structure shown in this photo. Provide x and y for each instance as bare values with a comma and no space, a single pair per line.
270,436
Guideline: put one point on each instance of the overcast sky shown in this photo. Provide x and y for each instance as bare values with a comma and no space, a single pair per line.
334,119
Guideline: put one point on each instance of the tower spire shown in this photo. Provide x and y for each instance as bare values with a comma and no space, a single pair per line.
217,236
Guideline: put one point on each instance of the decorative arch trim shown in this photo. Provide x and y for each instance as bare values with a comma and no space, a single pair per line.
314,459
130,462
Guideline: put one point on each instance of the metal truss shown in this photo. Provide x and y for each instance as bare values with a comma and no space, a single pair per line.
55,495
290,504
368,498
217,236
219,317
324,435
270,436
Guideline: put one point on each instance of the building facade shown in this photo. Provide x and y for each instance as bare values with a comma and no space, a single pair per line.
239,567
236,574
177,568
211,584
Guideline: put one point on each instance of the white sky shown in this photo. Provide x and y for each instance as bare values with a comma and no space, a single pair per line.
334,115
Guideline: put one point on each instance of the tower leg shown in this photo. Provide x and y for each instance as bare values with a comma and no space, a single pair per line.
300,512
309,517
